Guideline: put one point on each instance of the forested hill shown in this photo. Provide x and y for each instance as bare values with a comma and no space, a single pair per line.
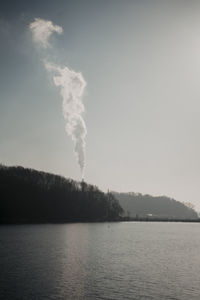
32,196
141,206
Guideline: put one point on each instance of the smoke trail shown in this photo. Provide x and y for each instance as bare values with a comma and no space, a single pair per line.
72,85
42,30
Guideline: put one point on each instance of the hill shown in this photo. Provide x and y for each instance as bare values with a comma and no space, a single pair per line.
141,206
30,196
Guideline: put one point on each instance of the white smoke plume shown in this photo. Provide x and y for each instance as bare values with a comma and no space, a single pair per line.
42,30
71,84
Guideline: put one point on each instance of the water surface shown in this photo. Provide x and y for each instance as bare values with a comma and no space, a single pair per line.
129,260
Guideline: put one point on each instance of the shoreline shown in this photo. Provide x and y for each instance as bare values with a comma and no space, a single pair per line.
45,222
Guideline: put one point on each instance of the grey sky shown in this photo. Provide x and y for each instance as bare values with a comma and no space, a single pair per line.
141,61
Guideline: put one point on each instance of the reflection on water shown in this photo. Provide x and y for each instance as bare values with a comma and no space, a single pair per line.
100,261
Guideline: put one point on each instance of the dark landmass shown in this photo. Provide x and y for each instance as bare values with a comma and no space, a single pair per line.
30,196
142,207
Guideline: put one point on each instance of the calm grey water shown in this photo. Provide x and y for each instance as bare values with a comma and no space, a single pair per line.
133,260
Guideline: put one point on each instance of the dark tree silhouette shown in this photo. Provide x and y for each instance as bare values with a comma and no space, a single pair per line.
32,196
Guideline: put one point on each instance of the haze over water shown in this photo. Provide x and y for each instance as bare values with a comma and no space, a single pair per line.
134,260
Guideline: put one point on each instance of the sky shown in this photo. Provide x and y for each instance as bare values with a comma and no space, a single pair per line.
141,62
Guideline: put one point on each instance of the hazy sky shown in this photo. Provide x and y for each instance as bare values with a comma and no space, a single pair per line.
141,62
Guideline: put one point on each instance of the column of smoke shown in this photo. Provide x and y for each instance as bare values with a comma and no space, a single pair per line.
71,84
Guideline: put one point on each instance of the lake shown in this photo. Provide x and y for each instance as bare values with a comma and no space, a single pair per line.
127,260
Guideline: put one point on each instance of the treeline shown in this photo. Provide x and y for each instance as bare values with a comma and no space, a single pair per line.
32,196
140,206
